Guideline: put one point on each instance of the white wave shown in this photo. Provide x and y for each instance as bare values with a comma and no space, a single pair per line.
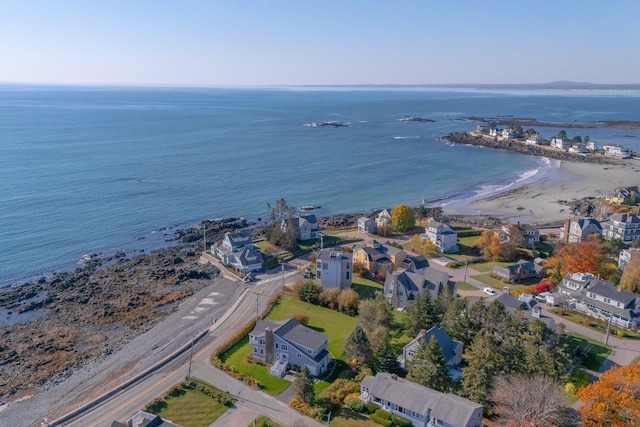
406,137
487,190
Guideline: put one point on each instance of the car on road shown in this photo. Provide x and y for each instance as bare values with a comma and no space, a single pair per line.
307,274
490,291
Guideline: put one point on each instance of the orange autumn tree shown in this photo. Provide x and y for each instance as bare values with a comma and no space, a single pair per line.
614,400
580,257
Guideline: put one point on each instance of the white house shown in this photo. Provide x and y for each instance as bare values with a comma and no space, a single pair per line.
443,236
562,143
306,226
383,219
238,251
616,151
288,343
625,257
534,139
334,269
579,149
423,406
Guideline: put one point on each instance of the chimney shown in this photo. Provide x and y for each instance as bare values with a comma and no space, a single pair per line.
566,231
619,288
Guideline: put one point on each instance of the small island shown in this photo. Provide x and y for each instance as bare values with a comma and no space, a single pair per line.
327,124
416,119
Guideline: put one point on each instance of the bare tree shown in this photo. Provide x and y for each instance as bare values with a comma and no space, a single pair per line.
527,400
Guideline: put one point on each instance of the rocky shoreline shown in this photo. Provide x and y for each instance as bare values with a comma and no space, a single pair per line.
529,122
532,150
92,312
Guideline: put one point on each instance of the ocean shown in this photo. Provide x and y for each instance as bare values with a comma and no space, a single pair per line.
99,169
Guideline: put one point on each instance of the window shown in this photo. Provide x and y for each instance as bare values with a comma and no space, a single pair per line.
310,351
276,345
347,275
607,300
261,341
325,265
255,350
284,347
299,355
262,351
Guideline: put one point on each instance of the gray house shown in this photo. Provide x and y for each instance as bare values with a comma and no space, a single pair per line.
577,229
423,406
527,307
334,269
306,226
288,343
625,227
451,349
367,225
403,286
521,270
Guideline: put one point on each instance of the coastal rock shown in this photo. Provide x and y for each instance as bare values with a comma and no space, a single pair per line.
416,119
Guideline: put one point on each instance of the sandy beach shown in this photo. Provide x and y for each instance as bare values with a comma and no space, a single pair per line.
537,202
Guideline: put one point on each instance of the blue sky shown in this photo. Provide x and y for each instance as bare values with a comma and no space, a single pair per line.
237,42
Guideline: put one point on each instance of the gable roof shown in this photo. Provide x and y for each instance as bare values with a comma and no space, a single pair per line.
292,331
247,255
585,222
238,237
419,262
625,218
609,290
447,407
447,345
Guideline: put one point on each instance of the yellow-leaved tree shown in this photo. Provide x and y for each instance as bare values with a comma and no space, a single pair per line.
402,217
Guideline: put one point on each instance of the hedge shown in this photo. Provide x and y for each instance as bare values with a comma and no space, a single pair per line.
385,415
372,407
376,419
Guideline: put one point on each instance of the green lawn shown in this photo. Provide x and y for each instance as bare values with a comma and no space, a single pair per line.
599,325
338,231
468,241
266,247
466,286
348,418
336,325
365,287
597,354
490,281
487,267
192,409
237,356
263,421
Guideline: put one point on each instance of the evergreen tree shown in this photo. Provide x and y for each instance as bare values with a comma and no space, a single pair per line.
384,359
374,313
357,348
303,386
457,321
484,360
420,315
428,366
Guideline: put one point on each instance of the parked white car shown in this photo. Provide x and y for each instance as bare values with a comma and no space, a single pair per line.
490,291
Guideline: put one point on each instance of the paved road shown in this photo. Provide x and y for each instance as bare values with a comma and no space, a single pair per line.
128,402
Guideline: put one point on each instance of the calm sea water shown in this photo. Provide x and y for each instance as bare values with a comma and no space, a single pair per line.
86,169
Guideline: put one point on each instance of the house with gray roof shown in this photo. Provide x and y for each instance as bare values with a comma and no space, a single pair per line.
145,419
379,258
604,300
383,219
625,227
521,270
451,349
288,343
306,226
441,235
367,225
238,251
423,406
403,286
577,229
530,234
526,307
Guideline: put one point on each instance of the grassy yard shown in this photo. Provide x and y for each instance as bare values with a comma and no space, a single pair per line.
597,354
192,409
338,231
464,286
468,241
366,288
263,421
336,325
490,281
348,418
487,267
599,325
237,356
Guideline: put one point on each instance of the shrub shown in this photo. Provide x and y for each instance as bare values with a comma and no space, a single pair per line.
176,390
235,338
155,406
401,422
303,319
354,403
372,407
385,415
586,321
580,378
376,419
570,388
620,333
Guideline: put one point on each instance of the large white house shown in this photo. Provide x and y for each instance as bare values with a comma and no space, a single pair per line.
577,229
238,251
334,269
305,226
443,236
423,406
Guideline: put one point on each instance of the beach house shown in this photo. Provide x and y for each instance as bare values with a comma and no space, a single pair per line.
625,227
378,258
238,251
383,219
521,270
288,343
577,229
367,225
625,257
443,236
423,406
403,286
306,226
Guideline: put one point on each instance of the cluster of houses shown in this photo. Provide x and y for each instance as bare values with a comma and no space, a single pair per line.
623,226
557,142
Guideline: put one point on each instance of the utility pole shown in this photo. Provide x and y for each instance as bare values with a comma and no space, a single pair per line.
606,336
328,417
283,278
466,266
191,356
